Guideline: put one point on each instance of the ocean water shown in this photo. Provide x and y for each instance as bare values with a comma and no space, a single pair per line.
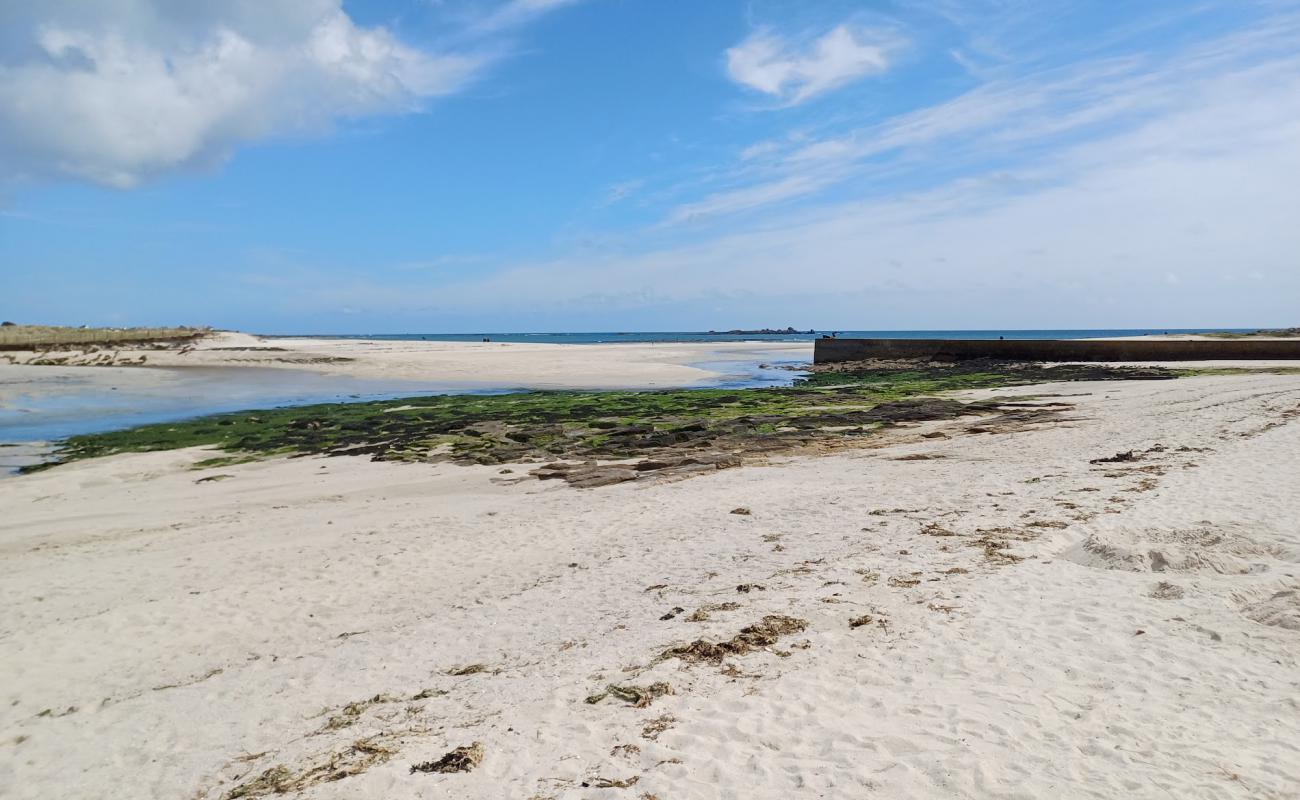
609,337
71,402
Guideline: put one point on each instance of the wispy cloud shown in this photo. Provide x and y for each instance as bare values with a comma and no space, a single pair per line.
794,70
622,190
749,197
1001,117
514,13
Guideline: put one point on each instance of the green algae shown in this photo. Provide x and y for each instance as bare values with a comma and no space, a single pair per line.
1196,372
533,426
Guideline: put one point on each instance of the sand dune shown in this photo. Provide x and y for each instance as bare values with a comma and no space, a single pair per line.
1002,618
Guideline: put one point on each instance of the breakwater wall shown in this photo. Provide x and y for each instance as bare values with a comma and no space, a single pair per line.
827,351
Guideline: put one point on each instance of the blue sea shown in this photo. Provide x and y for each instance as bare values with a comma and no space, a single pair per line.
612,337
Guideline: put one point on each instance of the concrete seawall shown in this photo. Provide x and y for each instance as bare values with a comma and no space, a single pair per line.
828,351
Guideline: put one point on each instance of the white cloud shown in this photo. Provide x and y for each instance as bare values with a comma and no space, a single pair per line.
125,90
518,12
795,71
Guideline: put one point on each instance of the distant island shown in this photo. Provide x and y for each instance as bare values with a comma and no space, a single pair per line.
759,331
1263,333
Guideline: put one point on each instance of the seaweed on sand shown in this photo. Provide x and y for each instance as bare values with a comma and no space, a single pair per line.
468,669
764,633
636,696
612,783
350,713
354,759
684,430
461,759
651,729
702,614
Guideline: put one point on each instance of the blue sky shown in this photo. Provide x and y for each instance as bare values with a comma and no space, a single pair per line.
465,165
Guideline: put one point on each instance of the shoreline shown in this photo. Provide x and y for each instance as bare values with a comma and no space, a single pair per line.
249,372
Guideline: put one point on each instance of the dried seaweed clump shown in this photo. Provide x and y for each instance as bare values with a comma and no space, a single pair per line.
469,669
612,783
995,550
702,613
935,529
351,712
1167,591
462,759
656,726
753,637
638,696
1118,458
358,757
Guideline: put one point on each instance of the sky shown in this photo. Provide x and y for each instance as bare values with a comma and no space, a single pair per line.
387,166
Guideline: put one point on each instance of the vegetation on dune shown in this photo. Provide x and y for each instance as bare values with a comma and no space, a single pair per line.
43,336
1271,333
544,426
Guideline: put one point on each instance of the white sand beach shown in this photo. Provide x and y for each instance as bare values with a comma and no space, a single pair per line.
463,364
1028,623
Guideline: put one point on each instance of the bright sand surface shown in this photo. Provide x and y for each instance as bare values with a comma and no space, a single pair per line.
166,636
464,364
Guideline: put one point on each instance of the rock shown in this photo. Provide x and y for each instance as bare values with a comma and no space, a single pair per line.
645,465
592,477
546,473
926,408
718,460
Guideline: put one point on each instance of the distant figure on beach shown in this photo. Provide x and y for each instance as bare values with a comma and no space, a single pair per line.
486,339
